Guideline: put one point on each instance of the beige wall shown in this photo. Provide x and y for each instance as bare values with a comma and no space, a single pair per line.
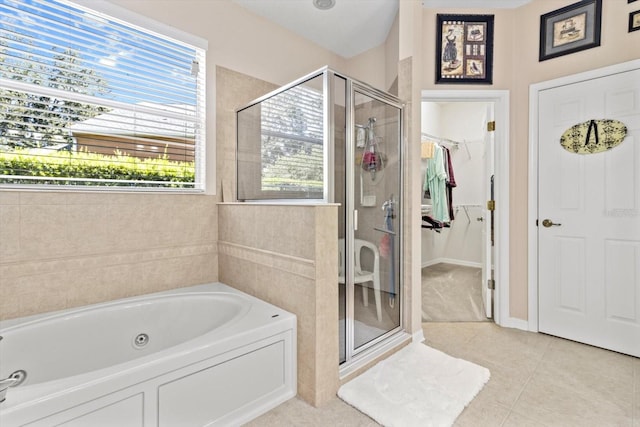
378,66
516,67
238,39
617,45
365,63
250,44
392,52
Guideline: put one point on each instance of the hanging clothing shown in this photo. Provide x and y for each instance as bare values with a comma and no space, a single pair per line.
435,184
426,149
452,179
432,224
451,182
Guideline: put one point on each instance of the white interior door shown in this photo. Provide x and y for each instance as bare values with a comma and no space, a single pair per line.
589,259
487,229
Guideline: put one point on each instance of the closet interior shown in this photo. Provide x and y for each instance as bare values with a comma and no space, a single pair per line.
456,168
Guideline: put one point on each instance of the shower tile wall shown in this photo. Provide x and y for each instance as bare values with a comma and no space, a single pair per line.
287,255
60,250
370,217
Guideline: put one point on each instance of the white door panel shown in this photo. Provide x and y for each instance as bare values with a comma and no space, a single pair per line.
589,265
623,262
569,263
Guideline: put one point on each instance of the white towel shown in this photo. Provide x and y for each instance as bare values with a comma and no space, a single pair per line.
360,137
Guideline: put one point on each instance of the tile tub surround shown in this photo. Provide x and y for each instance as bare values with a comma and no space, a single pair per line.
286,255
66,249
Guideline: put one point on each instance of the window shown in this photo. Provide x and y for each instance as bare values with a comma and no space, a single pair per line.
87,99
280,145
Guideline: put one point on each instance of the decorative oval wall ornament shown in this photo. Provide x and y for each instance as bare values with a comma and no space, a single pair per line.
593,136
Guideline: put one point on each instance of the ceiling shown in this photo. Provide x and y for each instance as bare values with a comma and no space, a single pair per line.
348,29
351,26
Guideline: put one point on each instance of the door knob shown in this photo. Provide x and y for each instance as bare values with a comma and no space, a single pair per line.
548,223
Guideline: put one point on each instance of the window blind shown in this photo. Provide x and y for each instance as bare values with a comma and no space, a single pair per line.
91,100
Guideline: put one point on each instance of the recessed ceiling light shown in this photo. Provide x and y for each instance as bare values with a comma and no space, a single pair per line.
324,4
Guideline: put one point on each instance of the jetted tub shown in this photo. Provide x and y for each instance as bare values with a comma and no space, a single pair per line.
196,356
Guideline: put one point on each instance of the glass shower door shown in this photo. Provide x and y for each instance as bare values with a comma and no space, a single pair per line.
376,233
374,298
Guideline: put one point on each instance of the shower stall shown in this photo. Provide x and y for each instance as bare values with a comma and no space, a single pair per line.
329,138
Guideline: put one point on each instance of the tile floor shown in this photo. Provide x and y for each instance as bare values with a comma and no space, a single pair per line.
536,380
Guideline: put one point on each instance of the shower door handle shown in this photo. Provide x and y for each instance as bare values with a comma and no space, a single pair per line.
355,220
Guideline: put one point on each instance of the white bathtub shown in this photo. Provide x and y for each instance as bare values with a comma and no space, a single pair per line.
213,356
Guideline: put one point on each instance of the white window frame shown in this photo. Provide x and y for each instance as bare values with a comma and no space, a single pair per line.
142,23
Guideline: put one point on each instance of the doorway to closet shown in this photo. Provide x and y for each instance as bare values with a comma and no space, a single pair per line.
474,247
457,168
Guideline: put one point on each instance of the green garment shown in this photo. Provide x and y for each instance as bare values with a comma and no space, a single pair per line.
435,182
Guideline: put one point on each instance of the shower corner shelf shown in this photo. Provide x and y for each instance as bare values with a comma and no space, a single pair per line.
384,230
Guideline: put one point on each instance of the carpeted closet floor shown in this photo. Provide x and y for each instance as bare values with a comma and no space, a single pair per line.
452,293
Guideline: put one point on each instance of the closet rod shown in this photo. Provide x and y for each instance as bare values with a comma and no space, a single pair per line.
425,209
444,140
456,144
451,141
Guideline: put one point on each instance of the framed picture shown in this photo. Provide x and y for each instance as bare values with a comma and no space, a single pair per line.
464,50
634,21
571,29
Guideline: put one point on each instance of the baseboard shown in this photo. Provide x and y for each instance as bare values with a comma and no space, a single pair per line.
418,336
431,262
452,261
512,322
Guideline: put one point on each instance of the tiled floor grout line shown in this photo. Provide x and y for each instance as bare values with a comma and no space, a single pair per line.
517,398
526,383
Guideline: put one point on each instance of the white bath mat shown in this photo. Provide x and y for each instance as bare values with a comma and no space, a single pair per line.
417,386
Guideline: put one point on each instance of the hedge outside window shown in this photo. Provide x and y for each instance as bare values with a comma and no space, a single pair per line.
89,99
